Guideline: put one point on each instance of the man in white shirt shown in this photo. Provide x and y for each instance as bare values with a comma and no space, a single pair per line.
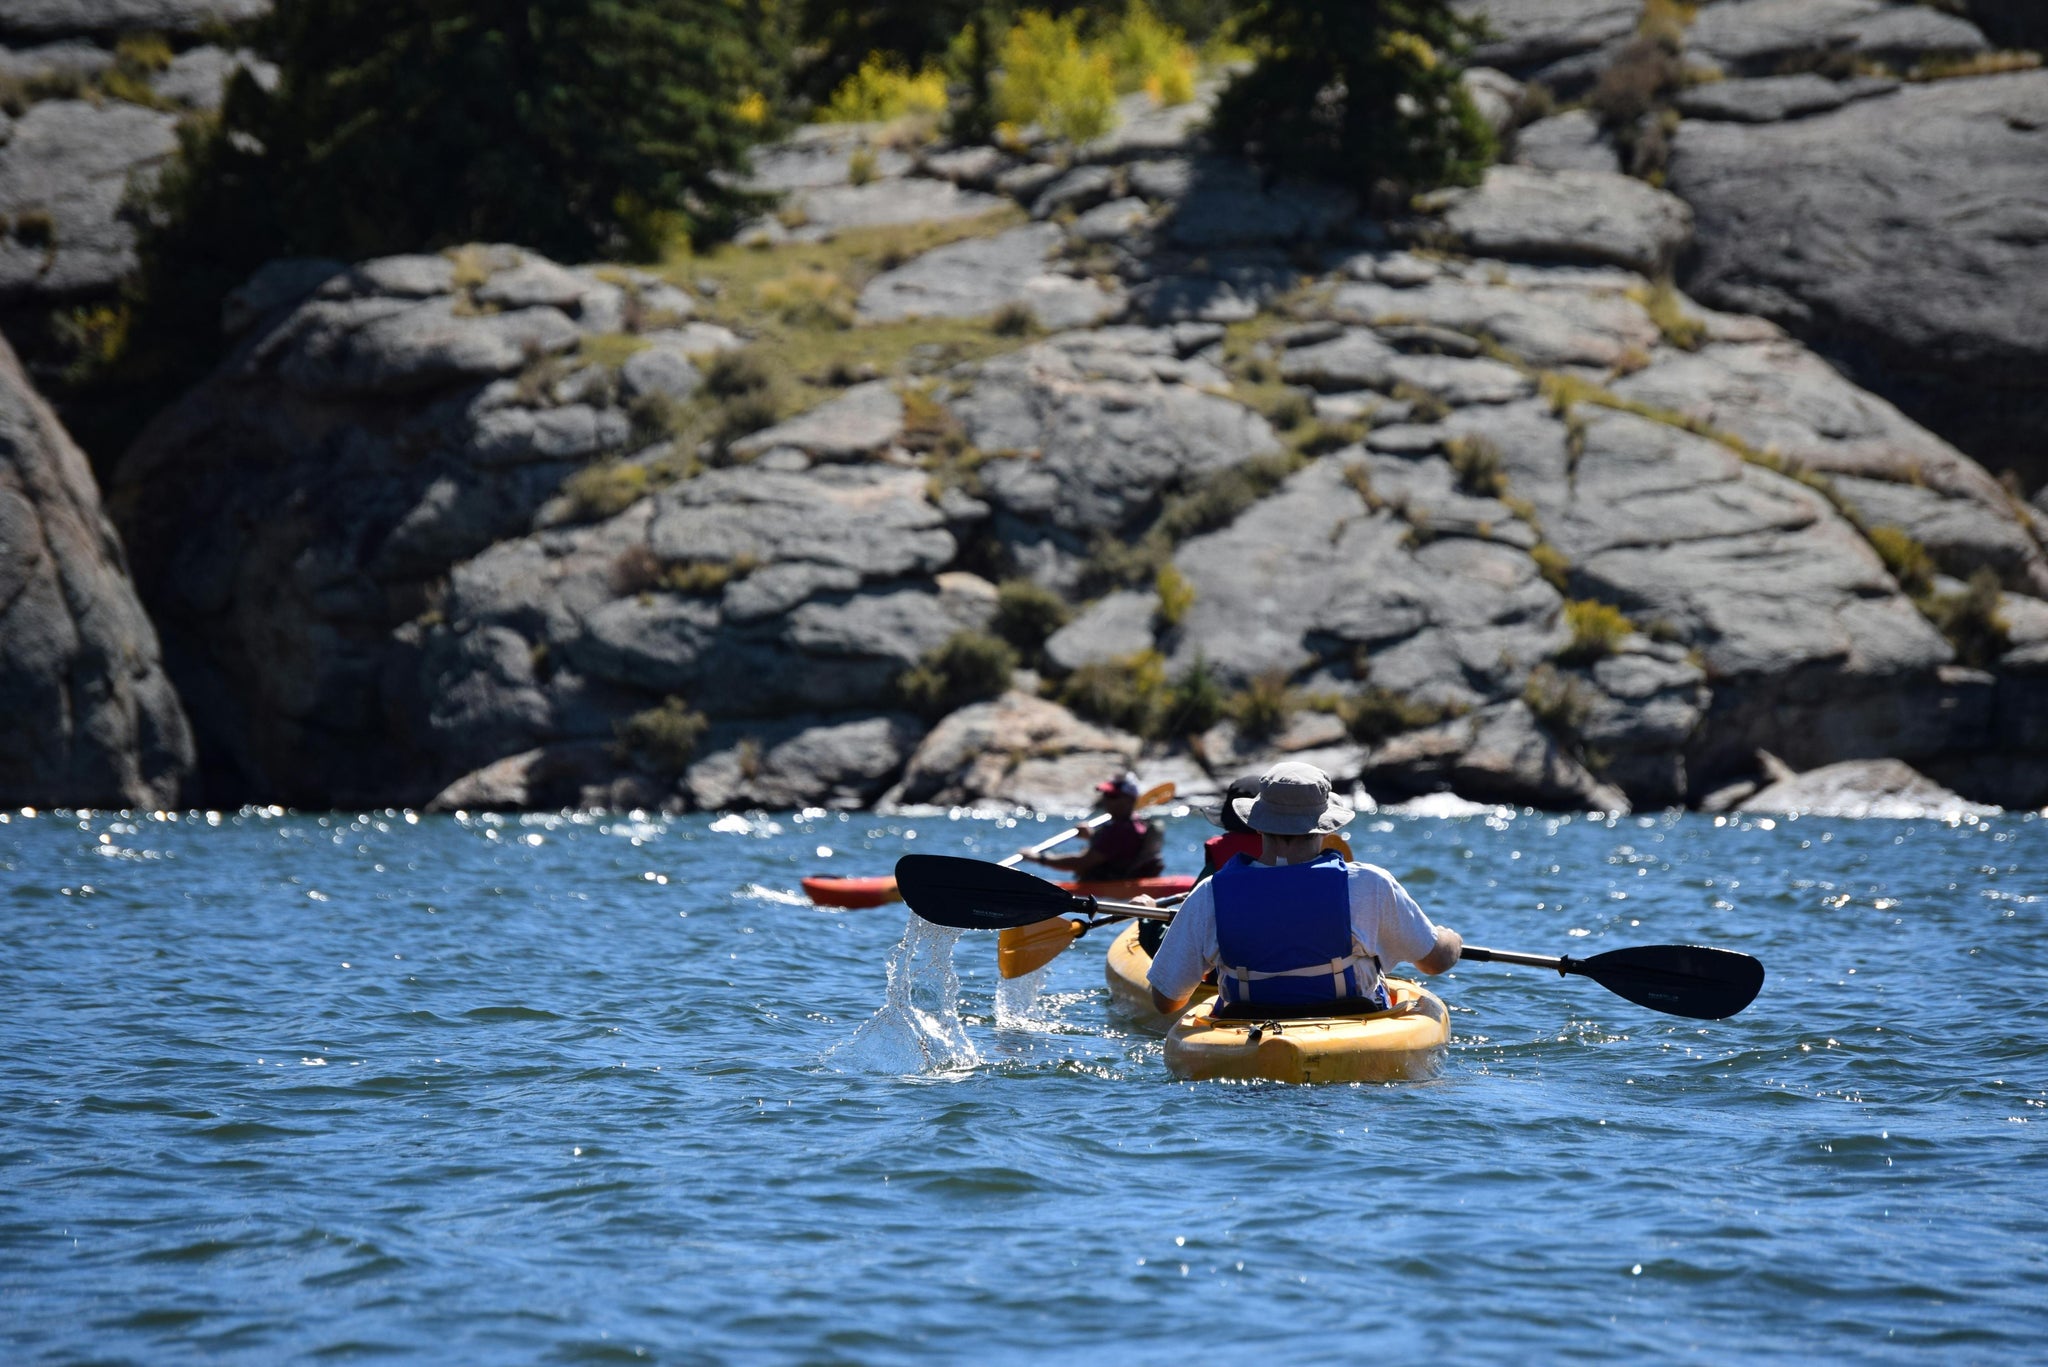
1299,929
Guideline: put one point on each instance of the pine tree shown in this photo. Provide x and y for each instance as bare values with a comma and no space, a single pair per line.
573,126
1363,92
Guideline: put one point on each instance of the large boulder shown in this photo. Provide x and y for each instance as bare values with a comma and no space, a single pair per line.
42,19
1083,443
1895,234
66,167
92,721
1502,754
1526,214
982,275
1863,788
373,429
1758,37
1016,750
802,761
1526,36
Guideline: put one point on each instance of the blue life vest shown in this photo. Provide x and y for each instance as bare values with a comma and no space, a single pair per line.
1283,933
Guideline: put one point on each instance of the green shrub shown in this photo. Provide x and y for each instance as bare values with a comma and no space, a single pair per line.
1560,701
706,578
1476,463
1321,438
1176,595
1052,79
1597,630
1908,560
1131,693
1214,501
636,569
969,667
1027,613
1667,310
137,57
1359,476
1368,90
35,228
861,167
1374,714
1151,55
1552,564
1971,620
808,297
883,89
605,489
1013,320
1424,406
733,373
661,739
1195,702
1263,707
1218,499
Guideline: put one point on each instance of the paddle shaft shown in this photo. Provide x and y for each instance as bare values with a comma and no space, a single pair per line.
1508,956
1011,861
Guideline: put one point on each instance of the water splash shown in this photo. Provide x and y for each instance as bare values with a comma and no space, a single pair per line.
782,897
918,1029
1017,1002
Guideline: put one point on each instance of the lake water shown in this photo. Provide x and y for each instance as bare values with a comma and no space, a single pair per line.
276,1086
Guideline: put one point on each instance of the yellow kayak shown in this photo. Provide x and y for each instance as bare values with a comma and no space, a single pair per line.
1389,1046
1130,996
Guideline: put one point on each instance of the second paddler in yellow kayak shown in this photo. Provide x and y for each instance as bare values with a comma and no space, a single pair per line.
1299,927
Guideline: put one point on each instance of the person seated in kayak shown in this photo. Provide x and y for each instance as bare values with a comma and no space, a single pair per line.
1238,838
1120,848
1299,927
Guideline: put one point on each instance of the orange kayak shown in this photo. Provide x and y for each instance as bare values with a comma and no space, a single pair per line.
875,892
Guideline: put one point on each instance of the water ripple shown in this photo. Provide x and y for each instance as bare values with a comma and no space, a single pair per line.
281,1085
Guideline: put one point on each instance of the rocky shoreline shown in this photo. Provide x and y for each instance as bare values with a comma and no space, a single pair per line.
1472,499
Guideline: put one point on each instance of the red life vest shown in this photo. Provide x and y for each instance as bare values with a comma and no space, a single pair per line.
1219,850
1124,852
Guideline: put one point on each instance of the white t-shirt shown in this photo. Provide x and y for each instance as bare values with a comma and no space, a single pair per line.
1384,921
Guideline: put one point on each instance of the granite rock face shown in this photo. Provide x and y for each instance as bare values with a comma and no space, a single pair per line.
1903,235
1501,514
1016,749
43,19
67,165
92,720
380,614
1527,214
75,163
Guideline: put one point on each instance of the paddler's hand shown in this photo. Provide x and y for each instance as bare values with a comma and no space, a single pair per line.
1144,899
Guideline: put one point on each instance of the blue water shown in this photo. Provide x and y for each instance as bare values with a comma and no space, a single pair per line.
278,1086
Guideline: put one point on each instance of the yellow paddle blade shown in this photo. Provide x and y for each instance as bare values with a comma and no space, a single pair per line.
1336,842
1026,949
1152,797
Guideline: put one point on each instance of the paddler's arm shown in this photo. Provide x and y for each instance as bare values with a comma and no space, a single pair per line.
1073,863
1449,945
1185,955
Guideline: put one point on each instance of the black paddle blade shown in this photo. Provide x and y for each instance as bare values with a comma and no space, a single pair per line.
971,895
1679,980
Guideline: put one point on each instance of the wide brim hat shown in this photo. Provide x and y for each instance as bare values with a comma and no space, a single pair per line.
1294,799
